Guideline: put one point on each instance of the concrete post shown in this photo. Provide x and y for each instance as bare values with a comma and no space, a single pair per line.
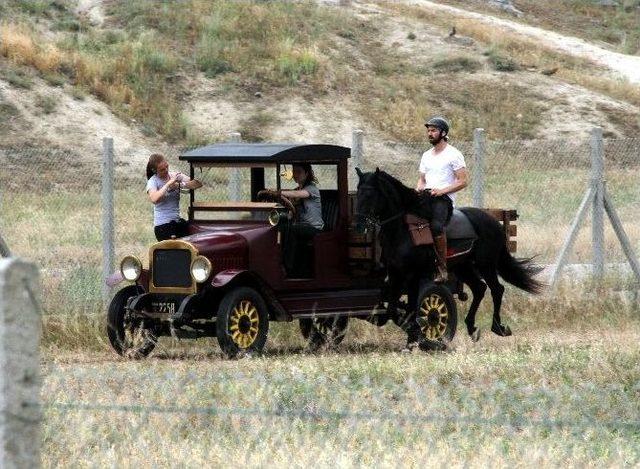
597,181
108,230
357,148
233,183
20,328
477,178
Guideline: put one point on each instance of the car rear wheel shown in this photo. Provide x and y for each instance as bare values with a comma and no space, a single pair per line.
436,315
129,336
324,332
242,322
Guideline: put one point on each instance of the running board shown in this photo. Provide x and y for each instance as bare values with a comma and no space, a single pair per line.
326,314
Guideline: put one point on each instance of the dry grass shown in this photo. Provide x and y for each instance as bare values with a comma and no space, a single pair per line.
17,44
531,55
616,26
563,390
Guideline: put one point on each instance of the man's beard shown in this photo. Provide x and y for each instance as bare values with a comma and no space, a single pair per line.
435,141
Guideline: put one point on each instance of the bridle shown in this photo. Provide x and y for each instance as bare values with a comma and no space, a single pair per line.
371,221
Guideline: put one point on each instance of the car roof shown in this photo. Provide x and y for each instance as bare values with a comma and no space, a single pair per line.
266,153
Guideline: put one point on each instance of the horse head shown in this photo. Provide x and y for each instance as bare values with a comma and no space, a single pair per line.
377,199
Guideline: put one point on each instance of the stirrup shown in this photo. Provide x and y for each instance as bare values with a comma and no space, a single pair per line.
442,276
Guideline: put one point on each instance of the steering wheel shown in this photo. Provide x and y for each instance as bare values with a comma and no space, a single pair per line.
270,195
288,205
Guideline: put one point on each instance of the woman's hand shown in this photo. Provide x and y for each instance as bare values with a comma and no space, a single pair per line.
268,194
173,183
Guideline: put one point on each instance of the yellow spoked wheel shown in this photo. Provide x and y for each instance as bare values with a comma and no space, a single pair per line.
437,316
244,323
434,312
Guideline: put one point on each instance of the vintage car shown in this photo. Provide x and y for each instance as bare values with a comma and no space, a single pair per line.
226,279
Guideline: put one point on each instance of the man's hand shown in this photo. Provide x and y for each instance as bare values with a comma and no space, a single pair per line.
438,192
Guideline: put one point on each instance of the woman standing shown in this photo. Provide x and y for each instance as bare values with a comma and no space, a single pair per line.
163,189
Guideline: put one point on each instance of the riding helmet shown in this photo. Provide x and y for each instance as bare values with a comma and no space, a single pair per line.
439,123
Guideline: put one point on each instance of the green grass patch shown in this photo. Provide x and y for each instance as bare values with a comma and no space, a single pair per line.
47,103
501,62
17,78
457,64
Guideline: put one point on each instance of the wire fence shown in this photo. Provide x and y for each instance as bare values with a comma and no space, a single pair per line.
51,202
549,401
343,411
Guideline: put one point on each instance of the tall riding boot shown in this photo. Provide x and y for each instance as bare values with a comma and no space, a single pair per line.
440,245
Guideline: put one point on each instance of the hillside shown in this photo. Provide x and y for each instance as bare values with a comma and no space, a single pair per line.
152,75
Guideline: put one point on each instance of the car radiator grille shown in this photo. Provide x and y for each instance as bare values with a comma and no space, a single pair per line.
172,268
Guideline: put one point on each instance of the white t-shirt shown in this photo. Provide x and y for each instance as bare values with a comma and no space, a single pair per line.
439,169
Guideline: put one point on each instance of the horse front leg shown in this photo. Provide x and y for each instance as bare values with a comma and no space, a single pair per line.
392,292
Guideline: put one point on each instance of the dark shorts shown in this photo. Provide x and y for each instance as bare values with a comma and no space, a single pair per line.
178,228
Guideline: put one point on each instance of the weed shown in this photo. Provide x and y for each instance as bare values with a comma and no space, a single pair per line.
500,62
47,103
456,64
54,79
17,78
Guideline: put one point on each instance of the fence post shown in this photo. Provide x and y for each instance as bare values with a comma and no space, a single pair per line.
357,147
20,319
597,181
477,179
108,235
233,183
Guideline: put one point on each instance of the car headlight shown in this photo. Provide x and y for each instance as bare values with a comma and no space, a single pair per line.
131,268
200,269
276,216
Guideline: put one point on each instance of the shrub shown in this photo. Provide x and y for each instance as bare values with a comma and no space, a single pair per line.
457,64
47,103
293,64
18,79
501,62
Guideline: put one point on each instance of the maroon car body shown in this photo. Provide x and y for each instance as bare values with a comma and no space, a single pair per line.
245,256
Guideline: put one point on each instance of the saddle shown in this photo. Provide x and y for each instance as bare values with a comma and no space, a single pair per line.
460,233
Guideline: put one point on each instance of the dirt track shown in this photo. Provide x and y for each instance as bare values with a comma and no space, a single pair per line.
627,66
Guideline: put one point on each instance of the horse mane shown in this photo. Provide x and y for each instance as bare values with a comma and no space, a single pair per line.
410,200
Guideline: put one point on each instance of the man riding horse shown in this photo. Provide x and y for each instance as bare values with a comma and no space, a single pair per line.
443,172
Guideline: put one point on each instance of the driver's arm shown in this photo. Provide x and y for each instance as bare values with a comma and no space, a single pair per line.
421,183
296,194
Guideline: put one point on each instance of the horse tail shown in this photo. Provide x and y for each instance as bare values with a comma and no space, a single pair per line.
518,272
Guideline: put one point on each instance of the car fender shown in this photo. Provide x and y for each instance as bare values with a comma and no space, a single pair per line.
229,278
223,277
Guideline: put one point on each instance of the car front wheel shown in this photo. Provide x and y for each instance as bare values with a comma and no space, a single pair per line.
242,322
129,336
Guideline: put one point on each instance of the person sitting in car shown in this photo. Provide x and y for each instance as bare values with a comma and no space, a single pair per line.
308,221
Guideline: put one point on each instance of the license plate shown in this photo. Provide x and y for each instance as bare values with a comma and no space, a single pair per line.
164,307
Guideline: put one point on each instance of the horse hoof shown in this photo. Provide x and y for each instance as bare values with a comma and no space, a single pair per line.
475,335
502,331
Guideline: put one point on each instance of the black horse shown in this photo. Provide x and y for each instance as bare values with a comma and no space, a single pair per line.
382,200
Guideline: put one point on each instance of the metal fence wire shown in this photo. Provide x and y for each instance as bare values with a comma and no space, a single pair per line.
374,409
51,202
